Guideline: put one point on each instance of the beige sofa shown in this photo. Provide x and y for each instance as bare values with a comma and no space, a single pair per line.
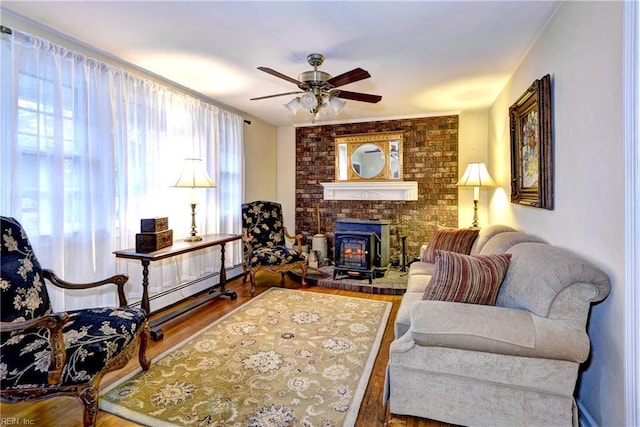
515,363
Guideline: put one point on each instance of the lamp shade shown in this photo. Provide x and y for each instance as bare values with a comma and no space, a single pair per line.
194,175
476,175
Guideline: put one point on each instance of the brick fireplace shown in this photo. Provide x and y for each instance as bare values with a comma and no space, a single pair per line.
430,157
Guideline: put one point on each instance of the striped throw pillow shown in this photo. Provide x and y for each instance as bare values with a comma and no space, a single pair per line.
472,279
458,240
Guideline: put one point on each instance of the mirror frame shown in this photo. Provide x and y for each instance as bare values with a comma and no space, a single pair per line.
346,145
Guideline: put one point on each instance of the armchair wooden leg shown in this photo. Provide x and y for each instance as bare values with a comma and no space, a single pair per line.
304,274
145,362
244,273
89,398
252,279
282,280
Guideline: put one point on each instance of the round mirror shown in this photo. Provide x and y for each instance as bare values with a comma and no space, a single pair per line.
368,161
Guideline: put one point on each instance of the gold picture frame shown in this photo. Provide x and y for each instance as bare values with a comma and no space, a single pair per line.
532,146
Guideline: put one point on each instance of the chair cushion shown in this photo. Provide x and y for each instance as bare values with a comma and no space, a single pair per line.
278,255
473,279
458,240
263,222
92,338
23,294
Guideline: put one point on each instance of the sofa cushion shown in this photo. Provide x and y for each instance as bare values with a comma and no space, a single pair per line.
487,234
418,282
497,330
458,240
473,279
502,242
421,268
419,276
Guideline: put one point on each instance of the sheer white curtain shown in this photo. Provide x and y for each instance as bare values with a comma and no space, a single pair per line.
89,149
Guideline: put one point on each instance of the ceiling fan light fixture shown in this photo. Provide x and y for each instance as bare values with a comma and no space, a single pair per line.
320,90
337,104
309,101
293,105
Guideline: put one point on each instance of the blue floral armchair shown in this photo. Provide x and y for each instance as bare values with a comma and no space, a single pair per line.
265,247
45,354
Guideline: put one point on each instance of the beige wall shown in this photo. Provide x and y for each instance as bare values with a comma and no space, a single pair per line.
260,161
286,149
472,147
582,50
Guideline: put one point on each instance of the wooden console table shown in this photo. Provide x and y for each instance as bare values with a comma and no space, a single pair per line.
179,248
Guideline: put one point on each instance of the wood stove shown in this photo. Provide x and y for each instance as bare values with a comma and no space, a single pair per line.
356,253
378,226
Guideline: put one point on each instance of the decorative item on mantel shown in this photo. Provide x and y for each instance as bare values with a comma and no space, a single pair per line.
476,176
194,176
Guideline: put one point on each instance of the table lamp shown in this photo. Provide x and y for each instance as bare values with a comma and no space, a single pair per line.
194,176
476,176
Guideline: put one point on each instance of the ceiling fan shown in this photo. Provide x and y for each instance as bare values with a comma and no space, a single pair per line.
320,89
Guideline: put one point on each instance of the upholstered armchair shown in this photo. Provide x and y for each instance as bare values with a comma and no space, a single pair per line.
264,234
45,353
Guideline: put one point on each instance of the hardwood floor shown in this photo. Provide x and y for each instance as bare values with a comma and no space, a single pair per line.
67,411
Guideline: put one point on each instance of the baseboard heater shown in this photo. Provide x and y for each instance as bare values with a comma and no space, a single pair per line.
163,302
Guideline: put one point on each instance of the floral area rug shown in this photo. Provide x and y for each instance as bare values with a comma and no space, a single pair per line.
285,358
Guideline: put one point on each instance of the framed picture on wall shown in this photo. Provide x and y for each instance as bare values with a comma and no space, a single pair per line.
532,146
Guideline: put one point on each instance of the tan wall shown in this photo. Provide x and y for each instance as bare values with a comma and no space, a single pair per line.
261,161
472,147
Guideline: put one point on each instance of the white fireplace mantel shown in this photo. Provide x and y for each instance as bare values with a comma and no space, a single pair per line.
370,190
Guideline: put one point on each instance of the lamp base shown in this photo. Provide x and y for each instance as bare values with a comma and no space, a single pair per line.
193,239
475,225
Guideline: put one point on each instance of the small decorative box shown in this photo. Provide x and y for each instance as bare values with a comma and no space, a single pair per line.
151,242
153,225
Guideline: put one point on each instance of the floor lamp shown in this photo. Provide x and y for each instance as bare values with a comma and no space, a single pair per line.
194,176
476,176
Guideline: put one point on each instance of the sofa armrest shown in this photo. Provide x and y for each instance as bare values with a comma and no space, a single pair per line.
495,329
422,249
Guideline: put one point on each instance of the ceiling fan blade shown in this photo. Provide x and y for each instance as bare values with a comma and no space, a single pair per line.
273,96
354,75
356,96
278,74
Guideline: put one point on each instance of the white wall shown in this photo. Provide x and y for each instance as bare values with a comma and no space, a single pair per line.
582,49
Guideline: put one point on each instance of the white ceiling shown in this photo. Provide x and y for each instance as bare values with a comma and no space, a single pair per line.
424,57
